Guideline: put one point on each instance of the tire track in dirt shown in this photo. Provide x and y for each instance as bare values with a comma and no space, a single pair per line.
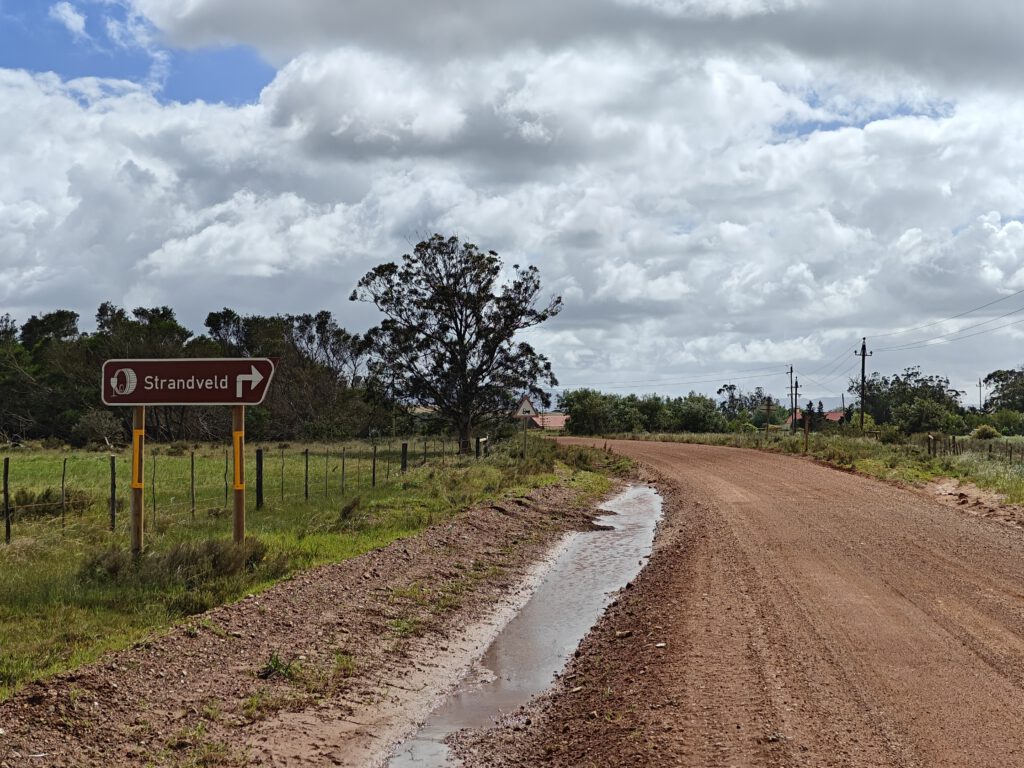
810,617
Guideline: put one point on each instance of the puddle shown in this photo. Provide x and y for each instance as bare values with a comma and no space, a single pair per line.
535,645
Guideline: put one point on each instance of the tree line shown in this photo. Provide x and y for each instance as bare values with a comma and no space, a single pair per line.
907,403
49,375
445,356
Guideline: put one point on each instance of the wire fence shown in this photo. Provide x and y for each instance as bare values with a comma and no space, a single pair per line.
82,495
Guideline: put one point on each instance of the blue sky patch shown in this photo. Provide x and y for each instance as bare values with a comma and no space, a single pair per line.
34,37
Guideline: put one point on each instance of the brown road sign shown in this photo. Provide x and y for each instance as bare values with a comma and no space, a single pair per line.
187,381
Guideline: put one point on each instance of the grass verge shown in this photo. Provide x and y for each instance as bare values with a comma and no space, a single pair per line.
71,592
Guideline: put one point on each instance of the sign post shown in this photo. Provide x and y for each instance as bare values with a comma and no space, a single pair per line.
238,440
237,382
137,483
525,411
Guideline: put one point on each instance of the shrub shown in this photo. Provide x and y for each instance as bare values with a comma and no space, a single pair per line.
985,432
46,502
97,427
889,434
191,564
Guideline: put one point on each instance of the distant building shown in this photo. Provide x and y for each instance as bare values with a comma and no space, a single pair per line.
552,422
834,416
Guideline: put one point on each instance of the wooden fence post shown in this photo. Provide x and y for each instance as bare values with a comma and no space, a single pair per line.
478,447
63,491
306,483
113,492
343,470
192,481
259,478
152,488
7,501
405,457
373,480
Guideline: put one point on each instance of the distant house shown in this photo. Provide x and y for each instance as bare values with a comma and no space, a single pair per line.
553,422
834,416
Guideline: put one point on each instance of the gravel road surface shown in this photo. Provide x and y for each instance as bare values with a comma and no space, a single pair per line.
792,615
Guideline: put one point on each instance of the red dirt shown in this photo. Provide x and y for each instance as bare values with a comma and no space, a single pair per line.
792,615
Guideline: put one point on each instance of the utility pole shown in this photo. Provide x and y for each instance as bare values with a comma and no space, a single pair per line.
981,404
863,355
796,399
792,402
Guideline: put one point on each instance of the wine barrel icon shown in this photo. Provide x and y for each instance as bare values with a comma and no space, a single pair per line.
124,381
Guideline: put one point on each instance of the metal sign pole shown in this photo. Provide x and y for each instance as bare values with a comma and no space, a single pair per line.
137,484
238,440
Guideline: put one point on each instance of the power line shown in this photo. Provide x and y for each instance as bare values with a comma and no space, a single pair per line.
845,375
833,362
720,374
954,317
960,338
912,344
716,379
833,367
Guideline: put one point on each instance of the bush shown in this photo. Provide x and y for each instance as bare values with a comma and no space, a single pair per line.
889,435
97,427
985,432
46,502
192,564
177,448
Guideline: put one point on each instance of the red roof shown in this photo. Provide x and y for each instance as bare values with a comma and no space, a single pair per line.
549,421
834,415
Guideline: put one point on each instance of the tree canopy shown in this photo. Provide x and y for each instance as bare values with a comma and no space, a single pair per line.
49,375
448,340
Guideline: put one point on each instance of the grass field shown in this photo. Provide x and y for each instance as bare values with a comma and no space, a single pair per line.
69,588
999,468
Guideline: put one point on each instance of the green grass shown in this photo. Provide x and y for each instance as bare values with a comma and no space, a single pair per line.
71,591
907,462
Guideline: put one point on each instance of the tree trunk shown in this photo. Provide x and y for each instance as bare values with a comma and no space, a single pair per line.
465,436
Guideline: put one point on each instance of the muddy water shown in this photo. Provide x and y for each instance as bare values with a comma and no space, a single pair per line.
534,646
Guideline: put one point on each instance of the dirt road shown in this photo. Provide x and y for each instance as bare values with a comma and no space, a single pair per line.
808,617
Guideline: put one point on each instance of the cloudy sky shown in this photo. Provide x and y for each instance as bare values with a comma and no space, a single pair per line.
717,188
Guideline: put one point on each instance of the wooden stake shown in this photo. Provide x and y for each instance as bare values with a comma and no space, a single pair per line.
152,489
63,492
113,492
259,478
7,501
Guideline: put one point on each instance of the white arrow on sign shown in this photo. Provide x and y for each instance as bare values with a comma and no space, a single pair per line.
254,378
